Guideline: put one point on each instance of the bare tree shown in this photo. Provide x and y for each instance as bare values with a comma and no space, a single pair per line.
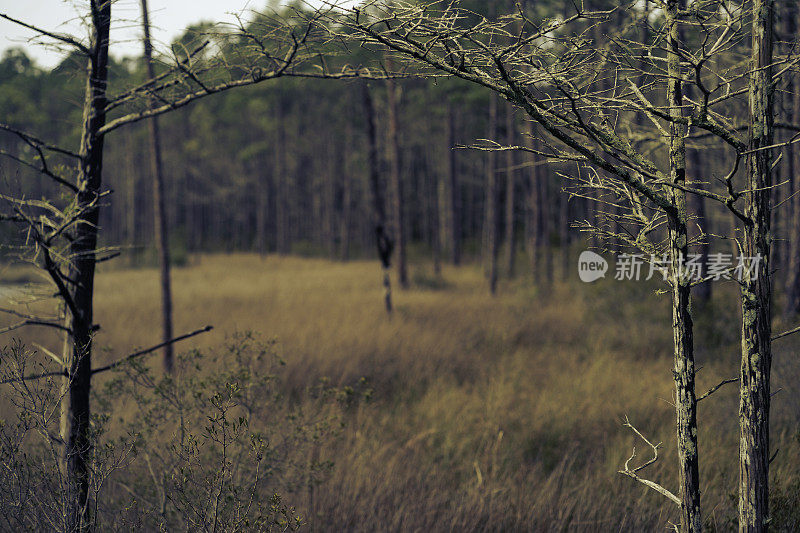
510,189
491,210
756,286
395,180
64,231
159,207
454,189
383,240
551,71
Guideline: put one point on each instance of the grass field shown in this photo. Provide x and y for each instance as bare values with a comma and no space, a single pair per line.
486,413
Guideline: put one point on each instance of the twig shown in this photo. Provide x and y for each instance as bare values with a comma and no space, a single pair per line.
59,37
713,389
785,333
146,351
633,473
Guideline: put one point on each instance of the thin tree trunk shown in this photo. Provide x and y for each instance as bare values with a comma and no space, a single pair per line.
436,222
396,183
262,209
75,414
282,195
546,253
533,218
160,221
131,204
754,402
682,327
701,293
383,240
455,191
347,194
793,285
491,221
510,185
563,233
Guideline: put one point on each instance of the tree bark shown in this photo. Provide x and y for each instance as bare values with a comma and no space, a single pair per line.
382,238
396,183
75,414
347,194
682,326
754,401
533,218
793,289
282,195
510,190
563,232
491,210
160,221
434,211
454,188
546,250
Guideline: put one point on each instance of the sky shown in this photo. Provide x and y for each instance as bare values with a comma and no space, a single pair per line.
168,19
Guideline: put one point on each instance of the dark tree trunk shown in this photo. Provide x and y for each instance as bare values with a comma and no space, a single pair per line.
347,195
131,208
160,221
396,183
454,188
433,210
510,186
793,275
546,253
754,403
533,215
491,220
75,422
282,194
262,209
382,238
682,325
701,293
563,233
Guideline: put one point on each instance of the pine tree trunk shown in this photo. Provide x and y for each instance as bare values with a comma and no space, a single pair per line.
491,220
347,195
262,209
282,195
131,196
546,253
510,189
433,210
701,293
396,183
563,234
75,414
454,188
754,402
382,238
793,284
682,326
160,220
533,218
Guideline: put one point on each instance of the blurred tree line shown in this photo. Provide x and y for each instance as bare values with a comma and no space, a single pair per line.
282,167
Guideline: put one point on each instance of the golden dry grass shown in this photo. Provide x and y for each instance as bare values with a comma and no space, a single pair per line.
488,413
